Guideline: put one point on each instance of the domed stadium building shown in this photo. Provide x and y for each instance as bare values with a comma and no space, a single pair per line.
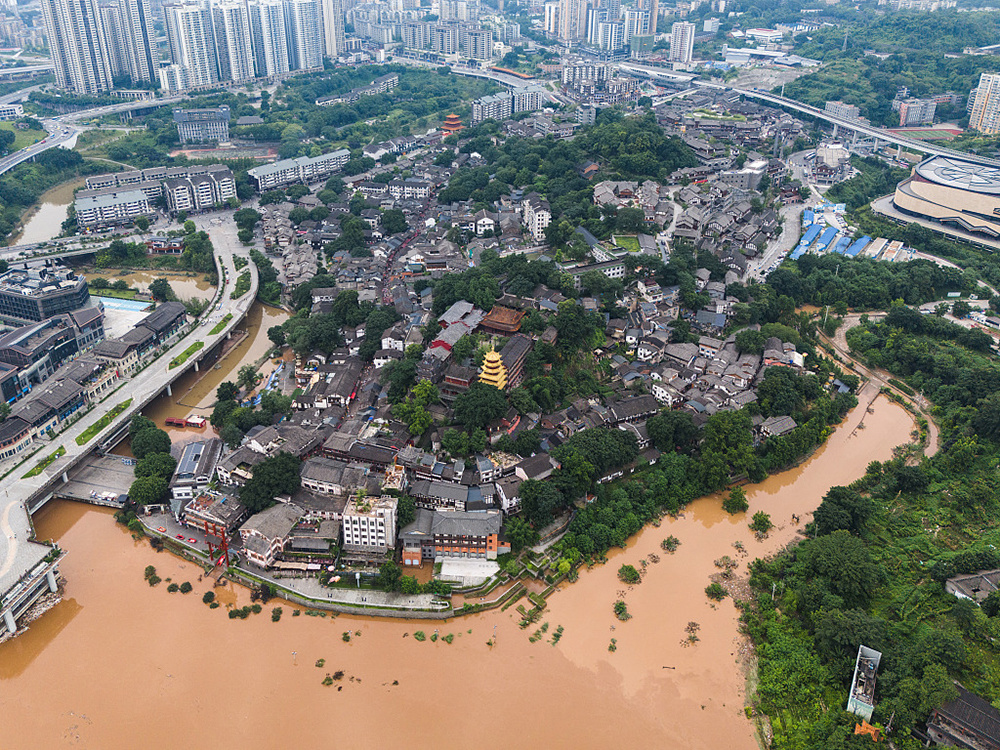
955,193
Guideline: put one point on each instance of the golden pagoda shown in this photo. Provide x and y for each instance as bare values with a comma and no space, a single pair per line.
452,124
493,371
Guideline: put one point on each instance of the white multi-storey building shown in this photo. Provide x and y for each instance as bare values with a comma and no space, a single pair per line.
636,24
333,28
110,18
985,115
192,47
682,42
231,24
552,19
139,39
536,215
267,24
572,20
78,47
369,524
304,32
304,169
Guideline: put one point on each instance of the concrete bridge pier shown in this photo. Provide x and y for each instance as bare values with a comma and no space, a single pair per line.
65,478
169,390
835,129
51,578
8,618
196,368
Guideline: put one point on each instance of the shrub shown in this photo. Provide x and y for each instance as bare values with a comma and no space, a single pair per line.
213,605
420,635
208,597
256,608
346,636
761,523
670,544
715,592
154,579
186,588
150,572
628,574
320,663
173,588
736,501
621,611
276,614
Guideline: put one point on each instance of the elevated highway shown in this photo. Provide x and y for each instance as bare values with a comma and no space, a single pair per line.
21,560
879,134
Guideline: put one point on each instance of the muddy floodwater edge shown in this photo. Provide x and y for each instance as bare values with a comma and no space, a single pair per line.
118,659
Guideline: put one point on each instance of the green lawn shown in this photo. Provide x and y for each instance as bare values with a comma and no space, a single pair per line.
629,243
88,434
181,358
23,138
41,465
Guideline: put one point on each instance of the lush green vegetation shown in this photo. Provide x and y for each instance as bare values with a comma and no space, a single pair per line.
91,432
183,357
221,324
918,43
242,285
22,138
276,475
45,462
626,148
875,180
863,283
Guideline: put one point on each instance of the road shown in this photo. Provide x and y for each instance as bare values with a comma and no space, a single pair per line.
17,555
59,135
773,254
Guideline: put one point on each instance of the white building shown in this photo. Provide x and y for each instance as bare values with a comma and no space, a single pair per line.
536,215
304,169
333,28
572,20
109,207
11,111
139,39
270,45
682,42
232,36
78,46
304,32
985,115
369,524
192,47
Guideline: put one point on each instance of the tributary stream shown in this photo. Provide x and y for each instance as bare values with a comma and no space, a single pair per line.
120,664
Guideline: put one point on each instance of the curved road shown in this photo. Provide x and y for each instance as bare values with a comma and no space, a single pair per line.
17,554
881,377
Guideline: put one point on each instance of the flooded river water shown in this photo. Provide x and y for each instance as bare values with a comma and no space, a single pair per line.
118,663
185,285
44,222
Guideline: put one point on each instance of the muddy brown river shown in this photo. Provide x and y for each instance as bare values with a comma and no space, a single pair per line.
120,664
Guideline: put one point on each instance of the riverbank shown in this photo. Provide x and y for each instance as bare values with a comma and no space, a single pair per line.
43,221
651,692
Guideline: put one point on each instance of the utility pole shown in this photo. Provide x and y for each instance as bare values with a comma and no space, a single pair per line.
844,48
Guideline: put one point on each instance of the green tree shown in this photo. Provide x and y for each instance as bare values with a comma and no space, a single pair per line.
393,221
406,511
156,464
139,423
160,290
227,391
247,377
150,441
142,223
148,490
749,341
761,522
277,475
389,576
479,406
736,501
520,534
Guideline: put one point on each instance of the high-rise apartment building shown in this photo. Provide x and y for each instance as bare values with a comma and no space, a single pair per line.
192,46
444,39
333,28
267,25
985,115
231,26
139,39
552,19
78,46
611,36
682,42
594,18
572,20
636,23
110,18
304,32
477,43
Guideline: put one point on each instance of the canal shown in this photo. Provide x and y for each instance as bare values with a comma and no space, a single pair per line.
117,660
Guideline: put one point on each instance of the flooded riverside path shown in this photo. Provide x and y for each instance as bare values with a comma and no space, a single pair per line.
118,664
